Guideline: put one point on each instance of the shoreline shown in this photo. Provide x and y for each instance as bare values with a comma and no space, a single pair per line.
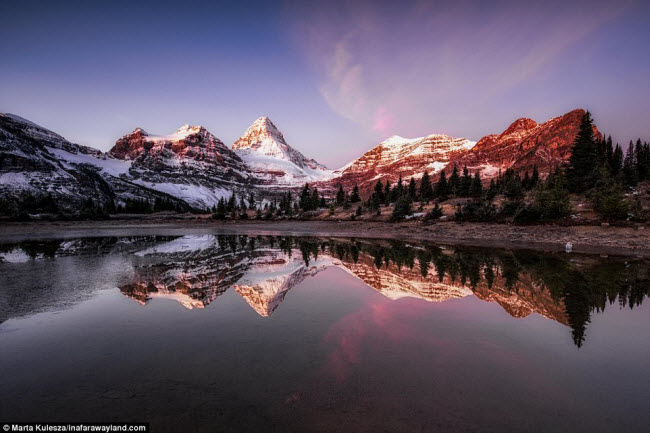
619,241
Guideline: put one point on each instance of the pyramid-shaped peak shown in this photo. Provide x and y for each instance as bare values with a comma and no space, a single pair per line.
263,135
264,124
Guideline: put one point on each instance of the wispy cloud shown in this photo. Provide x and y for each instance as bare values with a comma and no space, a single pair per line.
410,68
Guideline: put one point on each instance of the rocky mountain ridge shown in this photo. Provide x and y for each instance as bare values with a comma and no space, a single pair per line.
194,167
272,160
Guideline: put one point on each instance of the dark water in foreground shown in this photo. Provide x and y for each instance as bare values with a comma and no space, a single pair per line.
235,333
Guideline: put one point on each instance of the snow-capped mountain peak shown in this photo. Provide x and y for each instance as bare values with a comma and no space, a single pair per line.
265,151
263,137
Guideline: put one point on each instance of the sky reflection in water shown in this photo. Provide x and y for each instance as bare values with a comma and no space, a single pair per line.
310,334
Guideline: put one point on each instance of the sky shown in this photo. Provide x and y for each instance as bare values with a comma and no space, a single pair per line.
335,77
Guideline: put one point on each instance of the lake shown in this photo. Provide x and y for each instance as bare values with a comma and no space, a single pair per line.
262,334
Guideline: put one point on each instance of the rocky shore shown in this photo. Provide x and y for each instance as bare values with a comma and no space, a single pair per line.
627,241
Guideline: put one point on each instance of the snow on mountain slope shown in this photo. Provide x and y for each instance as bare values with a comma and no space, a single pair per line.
270,159
398,156
36,162
30,167
272,275
191,163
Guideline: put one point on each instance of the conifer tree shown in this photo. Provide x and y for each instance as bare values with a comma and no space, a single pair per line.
552,199
378,193
340,196
492,190
616,163
387,192
608,197
642,160
609,153
355,197
400,187
220,211
402,207
412,190
305,198
630,175
442,187
584,158
454,181
315,199
232,203
426,190
476,189
465,183
512,186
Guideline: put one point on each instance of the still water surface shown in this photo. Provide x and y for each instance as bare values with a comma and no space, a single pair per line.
239,333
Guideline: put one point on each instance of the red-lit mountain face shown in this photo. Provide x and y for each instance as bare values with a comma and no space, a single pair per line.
398,156
194,166
525,144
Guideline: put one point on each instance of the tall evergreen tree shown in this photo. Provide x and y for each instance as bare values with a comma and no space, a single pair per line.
412,190
609,153
220,211
355,197
465,183
454,182
442,187
642,161
608,197
402,207
400,187
552,199
630,175
476,189
315,199
426,190
340,196
616,163
377,197
584,157
232,203
305,198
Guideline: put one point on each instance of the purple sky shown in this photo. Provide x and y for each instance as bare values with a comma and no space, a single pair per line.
335,78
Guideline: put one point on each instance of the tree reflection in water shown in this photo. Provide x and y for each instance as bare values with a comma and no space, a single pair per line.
196,269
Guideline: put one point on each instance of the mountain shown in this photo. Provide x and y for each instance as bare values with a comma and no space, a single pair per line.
271,160
398,156
271,276
195,269
190,163
524,144
40,166
194,169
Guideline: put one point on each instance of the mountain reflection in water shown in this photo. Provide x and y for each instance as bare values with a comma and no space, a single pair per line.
195,270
